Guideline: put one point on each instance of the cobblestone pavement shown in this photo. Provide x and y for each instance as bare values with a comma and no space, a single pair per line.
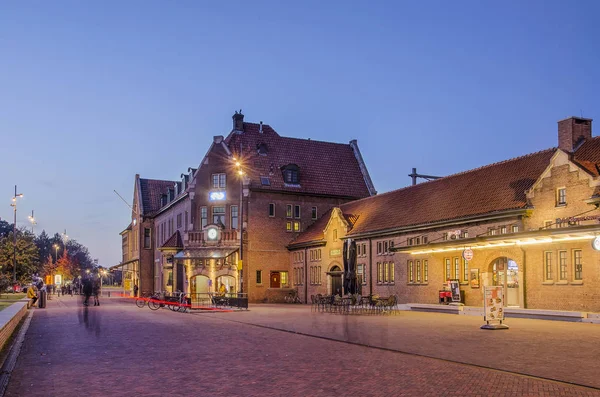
118,349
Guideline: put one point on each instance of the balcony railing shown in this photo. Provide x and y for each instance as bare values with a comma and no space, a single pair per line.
227,237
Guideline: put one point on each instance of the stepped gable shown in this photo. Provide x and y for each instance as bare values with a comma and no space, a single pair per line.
325,168
152,189
488,189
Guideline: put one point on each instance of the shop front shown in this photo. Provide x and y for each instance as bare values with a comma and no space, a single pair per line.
131,275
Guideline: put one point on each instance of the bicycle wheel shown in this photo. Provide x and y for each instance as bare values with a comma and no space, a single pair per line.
154,304
140,302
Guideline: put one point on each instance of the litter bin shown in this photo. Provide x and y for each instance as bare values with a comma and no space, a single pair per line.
42,295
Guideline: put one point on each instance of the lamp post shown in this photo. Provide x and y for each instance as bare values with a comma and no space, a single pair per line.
56,246
241,223
32,220
14,205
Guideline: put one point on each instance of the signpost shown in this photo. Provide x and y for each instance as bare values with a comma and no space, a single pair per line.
493,307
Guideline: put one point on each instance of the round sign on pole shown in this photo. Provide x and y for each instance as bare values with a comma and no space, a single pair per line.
468,254
596,243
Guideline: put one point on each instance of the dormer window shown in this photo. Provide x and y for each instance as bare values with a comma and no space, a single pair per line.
291,174
262,149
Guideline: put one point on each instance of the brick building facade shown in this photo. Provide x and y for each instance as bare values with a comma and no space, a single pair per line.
530,223
286,185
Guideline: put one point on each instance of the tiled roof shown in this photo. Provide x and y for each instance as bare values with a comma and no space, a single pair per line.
151,190
174,241
325,168
588,155
492,188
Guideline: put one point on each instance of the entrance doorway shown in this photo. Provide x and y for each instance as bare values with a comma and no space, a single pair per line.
505,272
200,284
228,282
275,280
336,280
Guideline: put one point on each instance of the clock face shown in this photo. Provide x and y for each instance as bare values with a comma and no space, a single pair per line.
212,233
596,243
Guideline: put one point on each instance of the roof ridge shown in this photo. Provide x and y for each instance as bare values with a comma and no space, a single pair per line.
313,140
452,175
157,180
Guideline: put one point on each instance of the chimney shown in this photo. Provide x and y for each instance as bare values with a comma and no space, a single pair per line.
572,132
238,121
260,128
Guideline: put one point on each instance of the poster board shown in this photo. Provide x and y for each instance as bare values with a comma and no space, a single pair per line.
474,278
493,304
455,289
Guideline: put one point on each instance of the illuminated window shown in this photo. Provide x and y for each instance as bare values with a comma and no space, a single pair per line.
448,274
577,265
562,261
456,268
296,226
503,230
425,271
288,212
515,229
410,272
465,271
548,265
288,226
284,279
392,275
386,272
379,272
418,263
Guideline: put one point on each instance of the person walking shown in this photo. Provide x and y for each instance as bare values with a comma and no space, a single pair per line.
87,291
96,292
135,289
32,294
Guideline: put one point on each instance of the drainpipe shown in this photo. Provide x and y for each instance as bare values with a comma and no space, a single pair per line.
523,281
305,278
370,266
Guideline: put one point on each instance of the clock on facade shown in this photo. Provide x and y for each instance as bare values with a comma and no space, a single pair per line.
212,233
596,243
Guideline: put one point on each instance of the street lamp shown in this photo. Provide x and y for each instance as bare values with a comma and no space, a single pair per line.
56,247
32,220
240,171
14,205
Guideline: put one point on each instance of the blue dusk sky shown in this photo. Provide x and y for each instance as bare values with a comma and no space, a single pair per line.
93,92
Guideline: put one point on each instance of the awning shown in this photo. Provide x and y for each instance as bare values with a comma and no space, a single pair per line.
544,236
124,264
205,253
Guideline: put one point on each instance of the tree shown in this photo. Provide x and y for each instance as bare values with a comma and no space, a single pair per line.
5,228
44,245
26,253
65,266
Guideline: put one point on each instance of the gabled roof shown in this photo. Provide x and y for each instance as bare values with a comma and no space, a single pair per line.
588,156
174,242
151,190
326,168
490,189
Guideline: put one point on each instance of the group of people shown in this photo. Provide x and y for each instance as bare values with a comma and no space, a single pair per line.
90,287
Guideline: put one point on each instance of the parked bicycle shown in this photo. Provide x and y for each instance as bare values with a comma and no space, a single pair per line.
293,297
142,300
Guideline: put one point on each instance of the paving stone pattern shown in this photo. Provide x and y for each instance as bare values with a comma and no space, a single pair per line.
118,349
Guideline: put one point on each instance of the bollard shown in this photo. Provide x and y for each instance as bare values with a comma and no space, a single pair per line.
109,294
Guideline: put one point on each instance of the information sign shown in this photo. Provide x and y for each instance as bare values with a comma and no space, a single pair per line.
493,304
455,289
468,254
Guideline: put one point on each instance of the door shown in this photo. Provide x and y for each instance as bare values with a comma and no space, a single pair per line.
336,285
275,280
505,273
